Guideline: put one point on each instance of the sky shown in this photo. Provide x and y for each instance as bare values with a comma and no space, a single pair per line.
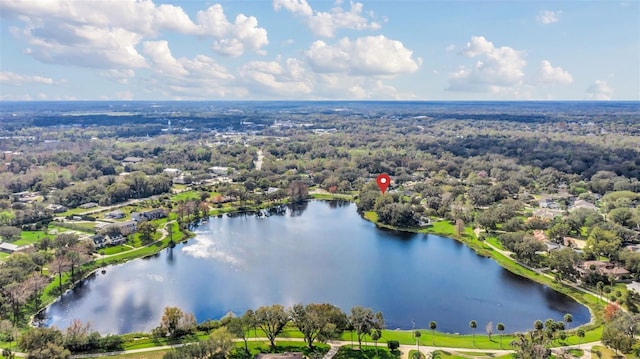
319,50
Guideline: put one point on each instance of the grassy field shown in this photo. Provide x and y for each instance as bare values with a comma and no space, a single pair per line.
606,353
114,249
441,354
156,354
30,237
185,196
367,352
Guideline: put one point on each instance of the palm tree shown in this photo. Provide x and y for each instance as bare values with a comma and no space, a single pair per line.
433,325
538,325
473,325
375,336
568,318
500,328
417,334
600,287
580,336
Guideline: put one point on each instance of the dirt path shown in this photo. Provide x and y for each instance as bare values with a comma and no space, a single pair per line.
259,161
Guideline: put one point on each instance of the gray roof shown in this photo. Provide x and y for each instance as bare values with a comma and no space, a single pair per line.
9,247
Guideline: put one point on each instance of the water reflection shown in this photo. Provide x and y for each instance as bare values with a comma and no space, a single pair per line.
323,253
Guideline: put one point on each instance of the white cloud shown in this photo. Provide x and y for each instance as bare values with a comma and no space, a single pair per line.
599,90
326,23
107,33
162,60
274,78
367,56
548,16
12,78
182,78
233,39
498,69
296,7
553,75
121,76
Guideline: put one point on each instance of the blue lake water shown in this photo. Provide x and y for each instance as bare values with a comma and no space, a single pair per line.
316,252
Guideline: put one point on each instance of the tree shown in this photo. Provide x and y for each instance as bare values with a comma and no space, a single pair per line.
531,345
417,335
10,234
558,231
500,328
565,261
527,249
568,318
298,191
64,241
364,320
538,325
240,326
433,325
375,336
600,287
44,343
271,320
216,346
473,325
59,265
221,341
580,333
34,285
619,332
75,258
318,321
602,242
147,230
170,321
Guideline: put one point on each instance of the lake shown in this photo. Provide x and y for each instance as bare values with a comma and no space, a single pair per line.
314,253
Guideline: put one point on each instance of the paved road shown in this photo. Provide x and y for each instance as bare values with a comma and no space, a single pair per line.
335,345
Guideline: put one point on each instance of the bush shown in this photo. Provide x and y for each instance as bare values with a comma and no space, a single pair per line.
393,345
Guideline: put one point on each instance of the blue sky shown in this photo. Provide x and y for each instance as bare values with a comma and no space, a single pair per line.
313,50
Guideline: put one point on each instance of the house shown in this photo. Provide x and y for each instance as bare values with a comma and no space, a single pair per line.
172,172
602,268
219,170
127,227
99,241
148,215
181,180
544,213
583,204
8,247
117,240
89,205
131,160
56,208
117,214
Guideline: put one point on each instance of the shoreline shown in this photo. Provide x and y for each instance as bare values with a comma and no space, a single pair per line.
591,325
491,254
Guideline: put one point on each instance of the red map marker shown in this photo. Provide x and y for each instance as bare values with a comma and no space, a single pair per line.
383,181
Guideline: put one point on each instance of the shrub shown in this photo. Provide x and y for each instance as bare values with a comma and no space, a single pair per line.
393,345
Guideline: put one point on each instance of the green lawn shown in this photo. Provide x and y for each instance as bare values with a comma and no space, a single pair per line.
114,250
185,196
156,354
441,354
30,237
367,352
